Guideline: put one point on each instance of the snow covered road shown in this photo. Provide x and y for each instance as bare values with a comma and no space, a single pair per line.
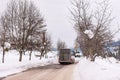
12,65
50,72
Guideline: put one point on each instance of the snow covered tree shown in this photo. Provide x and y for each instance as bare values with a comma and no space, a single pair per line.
92,26
23,22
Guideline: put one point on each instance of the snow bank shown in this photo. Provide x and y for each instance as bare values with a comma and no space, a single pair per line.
12,65
101,69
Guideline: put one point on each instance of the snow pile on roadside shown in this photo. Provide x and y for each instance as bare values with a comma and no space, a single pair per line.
12,65
101,69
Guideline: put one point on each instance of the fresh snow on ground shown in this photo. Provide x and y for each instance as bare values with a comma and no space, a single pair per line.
12,65
101,69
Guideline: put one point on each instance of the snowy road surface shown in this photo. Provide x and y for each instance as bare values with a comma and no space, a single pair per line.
50,72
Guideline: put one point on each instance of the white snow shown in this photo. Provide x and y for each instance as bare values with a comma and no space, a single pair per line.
12,64
89,33
7,45
101,69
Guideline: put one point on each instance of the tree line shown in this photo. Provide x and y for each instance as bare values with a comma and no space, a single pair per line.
23,26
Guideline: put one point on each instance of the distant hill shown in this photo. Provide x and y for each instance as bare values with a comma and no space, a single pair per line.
54,49
113,44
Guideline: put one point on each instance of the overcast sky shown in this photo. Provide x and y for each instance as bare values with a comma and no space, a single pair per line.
57,18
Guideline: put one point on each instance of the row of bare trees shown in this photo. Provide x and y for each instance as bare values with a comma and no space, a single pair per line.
98,19
61,44
23,26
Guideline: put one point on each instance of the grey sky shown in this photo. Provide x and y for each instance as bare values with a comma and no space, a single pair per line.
57,18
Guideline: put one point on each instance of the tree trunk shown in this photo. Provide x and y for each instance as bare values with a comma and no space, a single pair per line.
40,56
20,57
30,55
3,55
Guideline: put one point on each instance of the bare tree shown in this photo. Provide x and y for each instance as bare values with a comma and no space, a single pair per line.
23,21
3,36
44,45
48,43
61,45
98,22
76,46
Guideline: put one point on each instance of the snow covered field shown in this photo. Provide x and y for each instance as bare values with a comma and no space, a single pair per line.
12,65
101,69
